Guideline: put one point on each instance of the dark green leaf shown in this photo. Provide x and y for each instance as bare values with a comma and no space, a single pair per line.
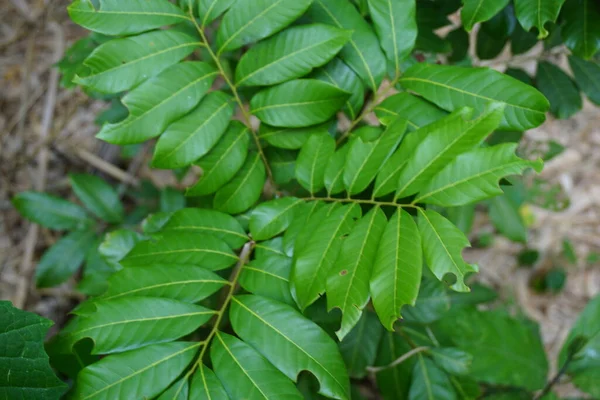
98,196
51,212
244,189
505,216
581,31
431,305
521,41
394,383
558,87
474,11
282,163
535,13
359,347
269,277
206,386
430,382
587,76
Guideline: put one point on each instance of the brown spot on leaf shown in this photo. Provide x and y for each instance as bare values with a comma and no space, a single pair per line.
343,272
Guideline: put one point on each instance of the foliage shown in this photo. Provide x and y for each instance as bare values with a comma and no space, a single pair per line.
310,245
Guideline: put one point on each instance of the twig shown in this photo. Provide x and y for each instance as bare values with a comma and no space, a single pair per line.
399,360
556,378
106,167
134,167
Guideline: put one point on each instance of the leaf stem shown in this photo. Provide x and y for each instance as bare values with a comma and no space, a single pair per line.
362,201
554,381
399,360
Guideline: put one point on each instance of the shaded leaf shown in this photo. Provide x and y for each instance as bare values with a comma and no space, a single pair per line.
269,277
505,216
342,76
452,360
334,170
394,383
581,31
51,212
287,138
310,168
416,111
430,382
587,76
244,189
282,163
359,347
557,86
534,13
431,305
98,196
474,11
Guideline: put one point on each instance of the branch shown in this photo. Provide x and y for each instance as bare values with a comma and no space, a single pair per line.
361,201
399,360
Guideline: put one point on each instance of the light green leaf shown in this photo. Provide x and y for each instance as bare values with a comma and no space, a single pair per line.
246,374
298,103
430,382
98,196
362,53
159,101
397,268
474,176
559,88
334,170
142,373
248,21
269,277
359,347
581,31
537,13
286,138
290,54
342,76
474,11
451,87
209,222
271,218
431,305
64,258
443,244
443,145
393,383
244,189
416,111
119,18
348,281
121,64
315,255
190,248
51,212
310,168
587,76
194,135
206,386
452,360
25,372
128,323
209,10
117,244
290,342
396,25
505,216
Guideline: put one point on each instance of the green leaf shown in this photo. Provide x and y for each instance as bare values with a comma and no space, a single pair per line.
271,218
394,383
298,103
315,255
223,161
430,382
431,305
194,135
118,18
142,373
310,168
171,200
397,268
282,163
362,53
210,222
505,351
359,347
334,170
348,281
206,386
443,145
290,54
396,25
521,41
459,40
290,342
489,45
285,138
452,360
250,20
117,244
474,11
474,176
96,272
505,216
557,86
298,226
121,64
537,13
131,322
25,372
159,101
416,111
98,196
244,189
209,10
246,374
451,87
184,283
342,76
443,244
178,391
64,258
269,277
581,31
190,248
51,212
587,76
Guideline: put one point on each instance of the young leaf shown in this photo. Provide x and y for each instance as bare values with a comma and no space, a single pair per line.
122,64
362,53
190,248
25,372
397,268
206,386
359,347
209,10
557,86
247,374
474,176
430,382
250,20
269,277
396,25
223,161
581,31
194,135
51,212
271,218
451,87
342,76
290,54
142,373
474,11
310,168
443,244
348,281
587,77
298,103
537,13
244,189
416,111
118,18
98,196
159,101
290,342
